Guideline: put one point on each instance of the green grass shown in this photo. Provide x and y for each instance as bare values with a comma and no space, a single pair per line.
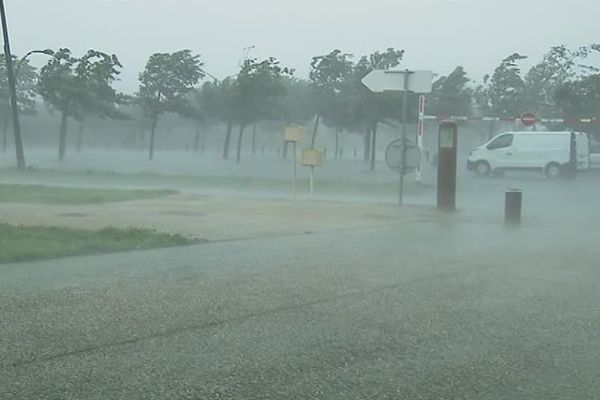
38,194
22,243
323,186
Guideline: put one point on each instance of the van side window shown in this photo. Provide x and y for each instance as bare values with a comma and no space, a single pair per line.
501,142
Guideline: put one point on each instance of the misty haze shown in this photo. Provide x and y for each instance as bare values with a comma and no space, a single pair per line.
309,200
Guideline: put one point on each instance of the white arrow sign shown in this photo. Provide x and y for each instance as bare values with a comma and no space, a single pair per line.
379,81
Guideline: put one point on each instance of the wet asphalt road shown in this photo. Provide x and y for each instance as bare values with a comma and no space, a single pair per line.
445,307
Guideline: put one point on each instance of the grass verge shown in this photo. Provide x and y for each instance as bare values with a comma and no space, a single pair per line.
248,185
24,243
39,194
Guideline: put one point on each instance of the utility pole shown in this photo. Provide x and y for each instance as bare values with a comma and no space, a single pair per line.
13,91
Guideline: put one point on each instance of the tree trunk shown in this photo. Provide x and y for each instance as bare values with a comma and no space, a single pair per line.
254,139
341,143
373,146
5,134
152,136
62,139
337,142
168,136
197,138
142,139
367,154
153,127
315,130
227,140
203,142
80,137
239,144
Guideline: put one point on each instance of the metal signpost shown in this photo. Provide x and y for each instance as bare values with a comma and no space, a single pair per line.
294,135
404,81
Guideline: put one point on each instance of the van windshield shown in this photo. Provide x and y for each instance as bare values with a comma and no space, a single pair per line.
501,142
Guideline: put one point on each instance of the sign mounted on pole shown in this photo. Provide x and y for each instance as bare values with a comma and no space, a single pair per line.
402,156
528,119
312,158
402,81
294,134
379,81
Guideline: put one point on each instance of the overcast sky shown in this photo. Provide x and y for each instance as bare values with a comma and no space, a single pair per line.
436,34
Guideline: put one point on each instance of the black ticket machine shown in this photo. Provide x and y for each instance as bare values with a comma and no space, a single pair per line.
447,166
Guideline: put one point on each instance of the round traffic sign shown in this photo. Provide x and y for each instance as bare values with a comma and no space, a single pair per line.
402,152
528,119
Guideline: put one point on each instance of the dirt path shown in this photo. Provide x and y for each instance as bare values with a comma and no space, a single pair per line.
213,218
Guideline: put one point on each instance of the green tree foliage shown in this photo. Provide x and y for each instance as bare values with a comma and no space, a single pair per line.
219,102
260,85
559,67
451,94
97,71
197,116
481,98
77,87
506,91
26,81
332,78
574,87
580,98
299,104
165,85
390,58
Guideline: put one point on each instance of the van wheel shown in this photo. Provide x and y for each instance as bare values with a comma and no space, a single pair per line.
482,168
553,170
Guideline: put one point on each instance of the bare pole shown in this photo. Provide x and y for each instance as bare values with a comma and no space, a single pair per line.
404,112
13,91
295,172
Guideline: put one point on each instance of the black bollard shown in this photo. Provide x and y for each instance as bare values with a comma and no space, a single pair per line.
513,206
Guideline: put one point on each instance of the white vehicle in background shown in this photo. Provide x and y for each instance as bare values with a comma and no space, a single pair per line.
549,152
595,151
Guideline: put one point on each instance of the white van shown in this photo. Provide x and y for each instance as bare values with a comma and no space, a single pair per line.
549,152
595,151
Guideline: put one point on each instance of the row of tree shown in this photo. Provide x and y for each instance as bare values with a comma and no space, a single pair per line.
562,84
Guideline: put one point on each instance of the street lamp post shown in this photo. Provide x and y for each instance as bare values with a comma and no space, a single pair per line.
12,90
48,52
210,75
